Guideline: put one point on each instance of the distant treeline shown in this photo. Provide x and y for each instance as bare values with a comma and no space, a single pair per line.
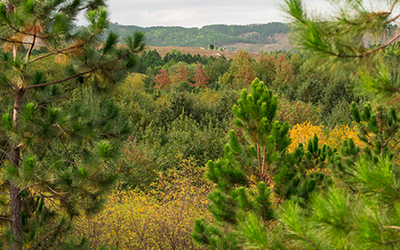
218,35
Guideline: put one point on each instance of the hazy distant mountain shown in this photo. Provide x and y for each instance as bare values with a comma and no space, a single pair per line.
230,37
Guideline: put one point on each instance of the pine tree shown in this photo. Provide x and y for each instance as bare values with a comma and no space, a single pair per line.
340,37
359,208
60,155
361,211
257,173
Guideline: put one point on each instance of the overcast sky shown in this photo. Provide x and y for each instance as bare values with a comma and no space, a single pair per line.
196,13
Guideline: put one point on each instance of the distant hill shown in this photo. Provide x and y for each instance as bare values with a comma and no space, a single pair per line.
254,37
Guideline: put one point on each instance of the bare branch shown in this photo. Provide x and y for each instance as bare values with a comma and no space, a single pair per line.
391,227
393,19
4,152
5,218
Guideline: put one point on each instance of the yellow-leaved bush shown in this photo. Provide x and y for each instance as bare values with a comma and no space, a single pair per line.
330,136
159,219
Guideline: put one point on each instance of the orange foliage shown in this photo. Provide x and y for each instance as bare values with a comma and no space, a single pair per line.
182,75
162,79
200,79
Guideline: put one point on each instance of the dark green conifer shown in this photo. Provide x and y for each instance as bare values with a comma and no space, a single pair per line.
257,174
59,141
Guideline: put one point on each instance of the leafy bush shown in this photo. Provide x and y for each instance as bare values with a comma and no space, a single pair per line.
297,112
161,219
184,138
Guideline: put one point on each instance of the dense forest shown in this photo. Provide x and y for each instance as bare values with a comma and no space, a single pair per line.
218,35
105,146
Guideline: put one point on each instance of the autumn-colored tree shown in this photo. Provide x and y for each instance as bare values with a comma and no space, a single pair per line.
275,70
162,79
243,67
182,74
266,67
200,79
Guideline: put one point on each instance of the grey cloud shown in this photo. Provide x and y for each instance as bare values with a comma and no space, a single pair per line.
194,13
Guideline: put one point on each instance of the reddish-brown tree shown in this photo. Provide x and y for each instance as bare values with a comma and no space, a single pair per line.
275,70
162,79
182,75
200,79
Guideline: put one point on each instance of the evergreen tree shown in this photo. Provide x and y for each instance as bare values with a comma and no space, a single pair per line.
361,210
60,155
340,38
257,173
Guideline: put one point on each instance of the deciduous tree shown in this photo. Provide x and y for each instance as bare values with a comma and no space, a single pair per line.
162,79
243,67
200,80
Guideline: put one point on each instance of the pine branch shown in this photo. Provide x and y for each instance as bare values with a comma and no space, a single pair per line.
45,238
13,41
65,49
394,146
23,33
76,75
393,19
310,241
259,162
58,81
246,167
28,55
25,188
366,54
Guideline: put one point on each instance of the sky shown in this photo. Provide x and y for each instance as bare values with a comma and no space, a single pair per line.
196,13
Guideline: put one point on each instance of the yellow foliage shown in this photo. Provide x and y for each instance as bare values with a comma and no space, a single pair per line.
209,96
162,101
160,219
302,133
134,81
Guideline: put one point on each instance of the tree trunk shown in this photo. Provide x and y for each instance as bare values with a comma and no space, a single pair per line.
15,196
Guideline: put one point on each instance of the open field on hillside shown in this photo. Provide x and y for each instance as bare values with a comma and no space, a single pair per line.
282,43
193,51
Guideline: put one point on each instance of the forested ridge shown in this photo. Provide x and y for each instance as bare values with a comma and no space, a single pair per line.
202,37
